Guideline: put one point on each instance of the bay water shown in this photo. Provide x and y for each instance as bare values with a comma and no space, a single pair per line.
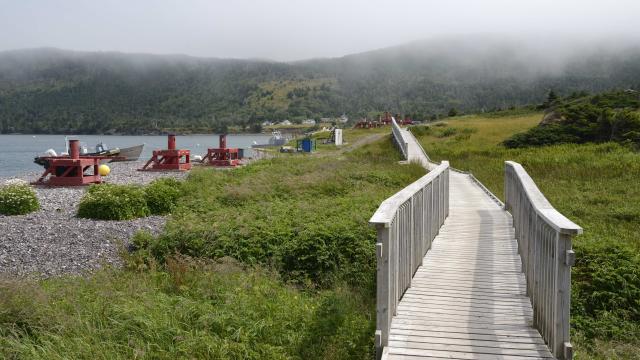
17,151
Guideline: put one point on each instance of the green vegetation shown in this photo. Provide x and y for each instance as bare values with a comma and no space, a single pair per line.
189,309
18,199
306,218
582,118
595,185
126,202
56,91
113,202
302,286
162,195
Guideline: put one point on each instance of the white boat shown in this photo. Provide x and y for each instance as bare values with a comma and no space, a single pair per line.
276,139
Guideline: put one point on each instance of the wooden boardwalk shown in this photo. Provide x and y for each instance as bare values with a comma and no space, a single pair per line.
468,300
460,277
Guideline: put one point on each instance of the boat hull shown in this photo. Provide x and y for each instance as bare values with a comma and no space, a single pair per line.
129,154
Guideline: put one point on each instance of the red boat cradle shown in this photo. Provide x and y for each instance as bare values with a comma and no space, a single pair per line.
170,159
407,121
386,119
367,124
222,156
70,170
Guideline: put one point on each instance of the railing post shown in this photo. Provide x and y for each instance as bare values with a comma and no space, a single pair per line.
447,193
562,302
383,315
410,233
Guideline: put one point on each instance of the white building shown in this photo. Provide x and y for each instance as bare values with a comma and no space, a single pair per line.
309,122
285,122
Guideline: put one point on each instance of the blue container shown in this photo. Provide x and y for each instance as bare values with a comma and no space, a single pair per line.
308,145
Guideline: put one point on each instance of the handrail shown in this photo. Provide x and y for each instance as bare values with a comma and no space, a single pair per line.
406,224
399,139
422,149
544,243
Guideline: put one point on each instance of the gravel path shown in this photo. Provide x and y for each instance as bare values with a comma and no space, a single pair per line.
53,241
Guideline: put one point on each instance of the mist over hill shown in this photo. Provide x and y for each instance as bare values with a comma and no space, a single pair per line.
57,91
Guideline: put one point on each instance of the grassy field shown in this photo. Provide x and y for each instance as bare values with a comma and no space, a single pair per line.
301,285
276,260
597,187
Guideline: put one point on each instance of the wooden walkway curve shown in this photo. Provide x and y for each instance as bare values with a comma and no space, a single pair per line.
452,283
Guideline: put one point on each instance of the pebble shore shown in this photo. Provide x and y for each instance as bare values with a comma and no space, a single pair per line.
53,241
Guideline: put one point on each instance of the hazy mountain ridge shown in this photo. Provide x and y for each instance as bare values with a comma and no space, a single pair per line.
52,90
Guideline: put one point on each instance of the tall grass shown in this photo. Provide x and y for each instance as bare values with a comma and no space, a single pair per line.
301,286
307,218
594,185
190,310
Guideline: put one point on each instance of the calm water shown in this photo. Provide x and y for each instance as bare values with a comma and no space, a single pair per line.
17,151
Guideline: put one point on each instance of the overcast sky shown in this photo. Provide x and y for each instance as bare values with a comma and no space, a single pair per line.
293,29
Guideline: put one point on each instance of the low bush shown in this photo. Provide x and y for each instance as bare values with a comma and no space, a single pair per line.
540,136
420,130
600,118
448,132
162,195
18,199
606,292
113,202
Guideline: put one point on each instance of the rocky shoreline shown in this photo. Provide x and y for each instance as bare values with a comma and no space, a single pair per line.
53,241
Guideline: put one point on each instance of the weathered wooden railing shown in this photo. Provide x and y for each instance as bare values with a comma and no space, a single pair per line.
407,223
399,138
544,242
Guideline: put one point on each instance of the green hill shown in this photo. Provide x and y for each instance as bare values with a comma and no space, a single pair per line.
582,118
50,90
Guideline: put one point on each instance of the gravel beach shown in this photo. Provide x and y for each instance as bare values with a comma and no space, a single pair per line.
53,241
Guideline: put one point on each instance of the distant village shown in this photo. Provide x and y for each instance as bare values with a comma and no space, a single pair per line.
342,119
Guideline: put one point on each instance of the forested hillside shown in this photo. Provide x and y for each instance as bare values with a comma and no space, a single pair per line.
58,91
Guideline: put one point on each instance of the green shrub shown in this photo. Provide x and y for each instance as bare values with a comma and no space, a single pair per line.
606,117
420,130
540,136
448,132
606,291
113,202
162,195
18,199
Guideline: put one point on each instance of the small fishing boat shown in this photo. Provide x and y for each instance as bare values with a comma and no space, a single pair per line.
131,153
276,139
